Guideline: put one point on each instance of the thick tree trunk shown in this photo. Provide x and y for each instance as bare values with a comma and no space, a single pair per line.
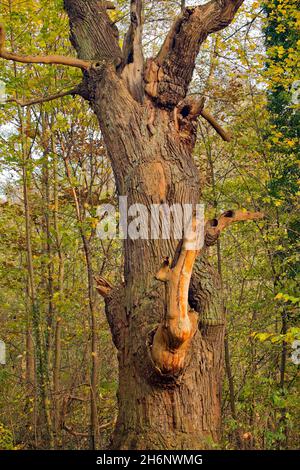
160,412
156,410
170,368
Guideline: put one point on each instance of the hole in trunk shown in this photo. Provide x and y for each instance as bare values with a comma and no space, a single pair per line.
229,214
185,111
130,58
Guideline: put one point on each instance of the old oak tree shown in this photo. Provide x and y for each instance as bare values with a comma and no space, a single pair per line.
166,319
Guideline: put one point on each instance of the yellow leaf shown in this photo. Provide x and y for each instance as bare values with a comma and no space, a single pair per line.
279,296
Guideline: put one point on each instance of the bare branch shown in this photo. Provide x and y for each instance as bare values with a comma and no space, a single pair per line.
43,99
74,433
51,59
209,118
214,227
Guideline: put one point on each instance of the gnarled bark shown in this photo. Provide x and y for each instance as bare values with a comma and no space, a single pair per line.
174,65
170,334
170,371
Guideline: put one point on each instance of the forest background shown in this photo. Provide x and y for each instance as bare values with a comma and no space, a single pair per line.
50,189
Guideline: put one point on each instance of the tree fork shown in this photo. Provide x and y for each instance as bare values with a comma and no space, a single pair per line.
155,166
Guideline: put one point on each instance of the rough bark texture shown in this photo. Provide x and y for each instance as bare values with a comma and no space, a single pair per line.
150,134
155,410
170,334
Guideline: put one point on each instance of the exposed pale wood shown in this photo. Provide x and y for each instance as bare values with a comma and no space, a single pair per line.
133,51
103,286
172,338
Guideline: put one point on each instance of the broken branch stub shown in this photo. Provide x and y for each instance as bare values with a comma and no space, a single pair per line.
215,226
173,336
189,110
103,286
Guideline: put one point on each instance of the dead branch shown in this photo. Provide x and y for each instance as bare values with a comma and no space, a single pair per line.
173,336
44,99
214,227
133,51
209,118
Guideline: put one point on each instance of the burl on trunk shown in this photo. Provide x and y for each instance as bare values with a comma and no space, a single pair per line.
166,319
